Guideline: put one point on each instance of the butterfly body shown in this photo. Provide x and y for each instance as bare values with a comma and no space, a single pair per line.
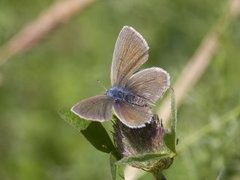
132,94
119,94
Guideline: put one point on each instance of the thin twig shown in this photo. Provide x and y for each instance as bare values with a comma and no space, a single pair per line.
32,33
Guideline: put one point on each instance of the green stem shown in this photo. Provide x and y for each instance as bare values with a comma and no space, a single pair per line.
159,175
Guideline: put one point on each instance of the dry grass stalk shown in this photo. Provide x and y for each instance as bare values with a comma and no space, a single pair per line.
32,33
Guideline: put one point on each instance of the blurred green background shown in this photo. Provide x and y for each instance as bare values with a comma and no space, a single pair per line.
35,143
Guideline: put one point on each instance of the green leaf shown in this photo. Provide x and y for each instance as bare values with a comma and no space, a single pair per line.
73,120
94,132
145,158
170,137
97,135
173,112
116,170
149,162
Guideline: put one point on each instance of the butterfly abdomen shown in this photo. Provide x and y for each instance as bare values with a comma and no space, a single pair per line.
136,100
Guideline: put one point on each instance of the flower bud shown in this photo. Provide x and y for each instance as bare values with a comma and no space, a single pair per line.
143,142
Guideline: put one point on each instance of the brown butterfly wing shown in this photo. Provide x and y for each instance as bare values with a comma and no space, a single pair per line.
96,108
130,52
132,115
149,83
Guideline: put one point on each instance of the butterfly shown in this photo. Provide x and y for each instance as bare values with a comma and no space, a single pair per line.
131,95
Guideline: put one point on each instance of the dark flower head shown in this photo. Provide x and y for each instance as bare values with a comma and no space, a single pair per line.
140,141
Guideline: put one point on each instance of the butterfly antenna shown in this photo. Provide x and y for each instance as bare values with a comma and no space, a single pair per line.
101,84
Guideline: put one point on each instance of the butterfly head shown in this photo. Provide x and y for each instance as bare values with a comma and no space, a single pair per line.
116,93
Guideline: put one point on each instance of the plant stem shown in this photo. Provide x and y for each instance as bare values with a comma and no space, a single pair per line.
159,175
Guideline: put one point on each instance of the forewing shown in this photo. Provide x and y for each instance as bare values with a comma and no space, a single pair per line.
149,83
132,115
130,52
96,108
